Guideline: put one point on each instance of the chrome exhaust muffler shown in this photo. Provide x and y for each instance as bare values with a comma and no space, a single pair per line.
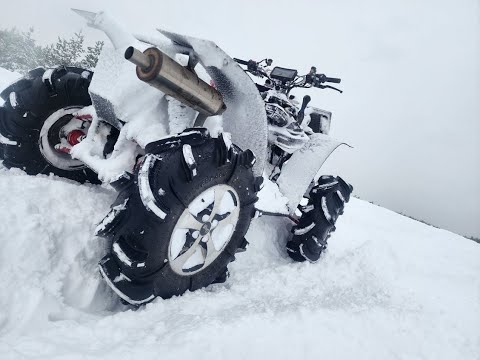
162,72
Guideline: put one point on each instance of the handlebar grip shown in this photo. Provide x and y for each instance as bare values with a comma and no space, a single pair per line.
240,61
333,80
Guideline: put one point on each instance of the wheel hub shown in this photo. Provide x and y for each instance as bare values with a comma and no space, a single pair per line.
205,229
60,131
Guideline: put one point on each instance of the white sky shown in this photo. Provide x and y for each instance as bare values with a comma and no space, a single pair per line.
410,70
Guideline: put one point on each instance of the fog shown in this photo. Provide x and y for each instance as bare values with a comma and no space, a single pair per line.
410,73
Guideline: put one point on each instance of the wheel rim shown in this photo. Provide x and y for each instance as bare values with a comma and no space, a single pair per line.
50,129
204,230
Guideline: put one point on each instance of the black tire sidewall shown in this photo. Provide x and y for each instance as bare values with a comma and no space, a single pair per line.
147,231
23,124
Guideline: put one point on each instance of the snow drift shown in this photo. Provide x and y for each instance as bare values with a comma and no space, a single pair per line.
387,287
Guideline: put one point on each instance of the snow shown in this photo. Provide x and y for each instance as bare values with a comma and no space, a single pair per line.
325,209
227,139
178,242
47,75
146,194
340,196
121,255
304,230
6,78
110,216
270,199
189,158
4,140
387,287
221,235
202,202
227,203
303,166
196,259
244,117
12,98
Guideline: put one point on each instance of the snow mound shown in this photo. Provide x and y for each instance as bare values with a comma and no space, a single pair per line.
388,287
6,78
47,251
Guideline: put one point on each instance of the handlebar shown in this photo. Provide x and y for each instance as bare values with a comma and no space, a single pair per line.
240,61
333,80
253,66
311,79
321,78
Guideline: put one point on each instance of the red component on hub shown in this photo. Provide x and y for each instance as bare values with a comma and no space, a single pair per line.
75,136
86,117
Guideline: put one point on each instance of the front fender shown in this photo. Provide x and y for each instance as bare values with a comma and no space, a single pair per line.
303,166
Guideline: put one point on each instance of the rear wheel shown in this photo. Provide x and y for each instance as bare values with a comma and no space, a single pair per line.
326,204
181,218
38,120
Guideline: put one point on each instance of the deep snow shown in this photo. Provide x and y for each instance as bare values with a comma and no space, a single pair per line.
388,287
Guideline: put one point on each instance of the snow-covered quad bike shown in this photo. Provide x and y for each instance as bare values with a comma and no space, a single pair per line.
188,161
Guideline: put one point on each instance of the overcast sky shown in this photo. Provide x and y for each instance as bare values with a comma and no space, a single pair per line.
410,70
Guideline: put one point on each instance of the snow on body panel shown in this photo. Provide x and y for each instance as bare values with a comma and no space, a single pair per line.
115,79
117,94
115,91
303,166
245,117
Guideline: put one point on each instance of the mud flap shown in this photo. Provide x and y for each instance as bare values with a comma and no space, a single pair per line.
303,166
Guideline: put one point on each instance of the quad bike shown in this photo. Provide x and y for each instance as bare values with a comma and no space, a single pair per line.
187,141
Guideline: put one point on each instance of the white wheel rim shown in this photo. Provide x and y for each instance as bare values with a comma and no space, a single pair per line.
204,230
54,157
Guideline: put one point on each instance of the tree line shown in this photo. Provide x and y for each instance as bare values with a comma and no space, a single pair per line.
20,52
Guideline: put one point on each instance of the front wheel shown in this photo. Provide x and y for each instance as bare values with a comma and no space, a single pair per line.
326,204
180,221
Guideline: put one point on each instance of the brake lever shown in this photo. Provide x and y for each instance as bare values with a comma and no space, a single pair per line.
329,87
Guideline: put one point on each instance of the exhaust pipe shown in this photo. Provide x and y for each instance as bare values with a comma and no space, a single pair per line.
162,72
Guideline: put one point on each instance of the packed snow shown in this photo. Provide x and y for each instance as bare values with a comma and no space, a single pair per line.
387,287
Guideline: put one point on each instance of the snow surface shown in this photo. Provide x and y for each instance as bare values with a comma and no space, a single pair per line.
388,287
6,78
